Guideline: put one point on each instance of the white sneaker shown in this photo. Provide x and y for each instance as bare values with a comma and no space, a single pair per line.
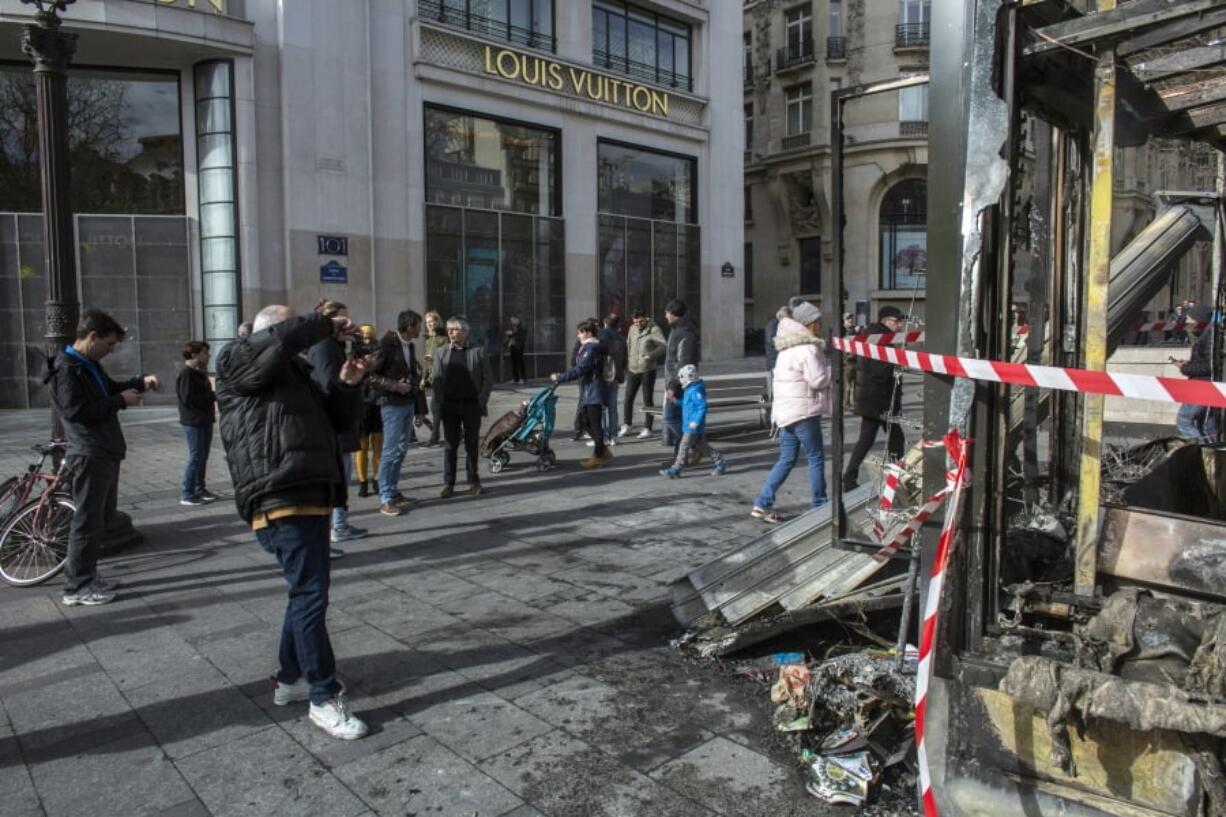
644,434
334,718
611,442
591,443
624,430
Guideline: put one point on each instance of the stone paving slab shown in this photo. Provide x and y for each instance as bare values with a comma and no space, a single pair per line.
507,650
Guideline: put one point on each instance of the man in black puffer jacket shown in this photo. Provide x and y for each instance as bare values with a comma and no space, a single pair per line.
280,431
878,398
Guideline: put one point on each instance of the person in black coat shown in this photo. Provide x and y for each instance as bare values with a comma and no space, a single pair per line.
88,402
589,371
878,397
280,431
326,358
1197,422
197,416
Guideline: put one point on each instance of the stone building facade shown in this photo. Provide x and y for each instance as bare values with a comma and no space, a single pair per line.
544,159
795,54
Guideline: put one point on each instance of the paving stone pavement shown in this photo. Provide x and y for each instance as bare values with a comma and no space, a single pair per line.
509,651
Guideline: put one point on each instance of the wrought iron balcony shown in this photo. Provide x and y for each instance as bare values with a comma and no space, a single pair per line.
911,35
442,12
640,70
794,54
917,128
836,48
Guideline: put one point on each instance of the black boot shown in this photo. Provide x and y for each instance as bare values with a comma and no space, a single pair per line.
362,489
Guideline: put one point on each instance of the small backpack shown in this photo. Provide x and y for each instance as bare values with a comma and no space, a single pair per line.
609,369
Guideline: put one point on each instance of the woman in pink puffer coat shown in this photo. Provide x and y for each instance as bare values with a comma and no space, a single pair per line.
802,398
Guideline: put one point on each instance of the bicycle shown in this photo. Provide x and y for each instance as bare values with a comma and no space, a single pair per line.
34,532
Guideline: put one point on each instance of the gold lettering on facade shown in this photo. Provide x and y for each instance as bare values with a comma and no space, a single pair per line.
511,65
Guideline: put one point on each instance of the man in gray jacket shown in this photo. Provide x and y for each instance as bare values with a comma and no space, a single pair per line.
682,351
645,346
462,378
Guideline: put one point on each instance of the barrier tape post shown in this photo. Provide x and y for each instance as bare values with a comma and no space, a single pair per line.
932,604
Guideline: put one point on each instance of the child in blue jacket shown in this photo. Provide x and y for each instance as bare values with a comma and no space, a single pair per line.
694,425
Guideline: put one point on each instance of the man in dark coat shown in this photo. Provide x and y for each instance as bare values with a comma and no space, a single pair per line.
280,432
326,358
88,403
878,398
1197,422
682,351
396,380
462,376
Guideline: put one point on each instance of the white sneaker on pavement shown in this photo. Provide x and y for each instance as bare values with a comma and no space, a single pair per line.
644,434
624,430
334,718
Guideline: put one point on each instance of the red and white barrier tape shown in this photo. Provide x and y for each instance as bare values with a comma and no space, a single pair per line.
893,474
959,450
1117,384
890,337
908,530
1169,326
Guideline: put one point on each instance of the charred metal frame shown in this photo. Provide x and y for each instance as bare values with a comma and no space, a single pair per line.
1037,56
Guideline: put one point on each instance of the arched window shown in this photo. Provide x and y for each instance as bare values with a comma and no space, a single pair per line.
904,235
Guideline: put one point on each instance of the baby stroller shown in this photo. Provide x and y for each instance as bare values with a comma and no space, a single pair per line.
527,429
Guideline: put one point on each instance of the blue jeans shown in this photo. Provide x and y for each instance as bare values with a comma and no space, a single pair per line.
397,420
340,514
1196,423
300,544
199,439
610,412
670,418
806,434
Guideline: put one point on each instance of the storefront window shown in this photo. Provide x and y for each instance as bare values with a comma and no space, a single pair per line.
483,163
648,241
489,267
493,248
904,235
124,139
642,183
524,22
641,44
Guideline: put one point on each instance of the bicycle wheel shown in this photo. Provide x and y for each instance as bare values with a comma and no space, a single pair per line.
34,541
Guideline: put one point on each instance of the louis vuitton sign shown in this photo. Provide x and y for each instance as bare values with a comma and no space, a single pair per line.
572,81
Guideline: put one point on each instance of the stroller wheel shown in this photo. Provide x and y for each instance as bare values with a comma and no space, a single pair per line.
546,461
496,465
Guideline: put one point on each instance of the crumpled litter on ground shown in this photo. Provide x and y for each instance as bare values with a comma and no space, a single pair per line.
854,716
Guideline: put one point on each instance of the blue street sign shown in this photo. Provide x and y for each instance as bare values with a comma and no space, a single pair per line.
333,273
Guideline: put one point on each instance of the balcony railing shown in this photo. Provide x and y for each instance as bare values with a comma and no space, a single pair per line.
794,54
911,35
748,75
439,11
640,70
918,128
836,48
799,140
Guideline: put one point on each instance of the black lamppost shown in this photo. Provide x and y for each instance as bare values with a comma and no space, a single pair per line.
52,50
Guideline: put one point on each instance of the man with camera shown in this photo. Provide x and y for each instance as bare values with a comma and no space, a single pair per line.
88,403
396,379
280,431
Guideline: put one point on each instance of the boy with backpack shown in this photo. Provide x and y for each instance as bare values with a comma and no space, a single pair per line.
693,425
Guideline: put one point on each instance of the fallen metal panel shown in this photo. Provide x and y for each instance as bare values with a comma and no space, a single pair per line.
1142,269
752,577
1165,550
